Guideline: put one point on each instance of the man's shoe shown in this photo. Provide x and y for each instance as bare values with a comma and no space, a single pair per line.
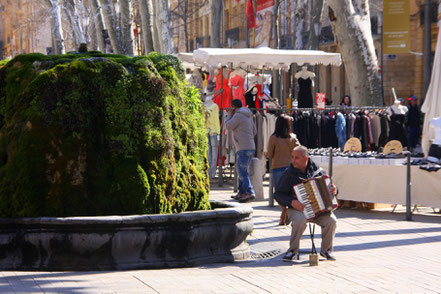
290,256
247,197
328,255
237,196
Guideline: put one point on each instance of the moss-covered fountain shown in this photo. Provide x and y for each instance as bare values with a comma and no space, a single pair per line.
103,165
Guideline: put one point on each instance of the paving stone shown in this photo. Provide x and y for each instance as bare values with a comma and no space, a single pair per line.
377,252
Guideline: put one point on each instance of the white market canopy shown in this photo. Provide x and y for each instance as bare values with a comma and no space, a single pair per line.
187,60
432,102
263,57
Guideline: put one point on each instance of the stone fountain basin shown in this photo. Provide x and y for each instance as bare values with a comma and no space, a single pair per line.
127,242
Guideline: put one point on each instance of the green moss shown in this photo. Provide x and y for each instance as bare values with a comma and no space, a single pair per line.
96,134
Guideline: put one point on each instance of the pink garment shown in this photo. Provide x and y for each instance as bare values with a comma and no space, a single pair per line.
237,85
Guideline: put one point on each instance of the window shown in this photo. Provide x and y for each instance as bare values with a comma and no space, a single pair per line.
227,20
242,16
374,25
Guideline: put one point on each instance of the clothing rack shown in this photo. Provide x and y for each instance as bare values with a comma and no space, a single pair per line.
284,109
340,107
332,107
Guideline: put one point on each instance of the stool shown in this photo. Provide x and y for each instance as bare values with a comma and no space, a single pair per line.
311,234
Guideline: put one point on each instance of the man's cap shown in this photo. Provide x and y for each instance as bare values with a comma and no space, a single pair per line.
413,97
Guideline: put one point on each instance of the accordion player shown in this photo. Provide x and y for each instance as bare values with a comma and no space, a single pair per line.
314,194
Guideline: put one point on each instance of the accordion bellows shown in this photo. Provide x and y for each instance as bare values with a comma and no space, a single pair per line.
315,195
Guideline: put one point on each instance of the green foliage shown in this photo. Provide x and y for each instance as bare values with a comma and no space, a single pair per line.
98,134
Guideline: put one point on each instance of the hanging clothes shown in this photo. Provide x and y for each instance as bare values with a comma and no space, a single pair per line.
251,97
237,85
257,81
384,126
340,130
304,97
376,128
397,129
223,100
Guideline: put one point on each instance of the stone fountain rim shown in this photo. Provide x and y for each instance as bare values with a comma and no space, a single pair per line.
229,210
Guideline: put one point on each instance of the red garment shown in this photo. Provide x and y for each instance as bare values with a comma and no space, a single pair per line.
225,97
237,85
259,95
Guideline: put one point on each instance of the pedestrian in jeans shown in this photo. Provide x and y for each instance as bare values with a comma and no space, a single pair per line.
240,122
280,145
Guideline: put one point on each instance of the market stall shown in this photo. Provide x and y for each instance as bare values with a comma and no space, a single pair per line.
263,57
259,59
374,180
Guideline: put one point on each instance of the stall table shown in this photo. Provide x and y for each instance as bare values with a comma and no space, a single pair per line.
382,181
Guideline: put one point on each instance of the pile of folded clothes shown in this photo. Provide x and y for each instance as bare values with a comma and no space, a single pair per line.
426,164
338,152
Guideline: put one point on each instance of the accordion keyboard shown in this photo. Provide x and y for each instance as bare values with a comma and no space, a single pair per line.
314,194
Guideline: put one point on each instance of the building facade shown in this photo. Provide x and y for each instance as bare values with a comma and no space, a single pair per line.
25,27
403,72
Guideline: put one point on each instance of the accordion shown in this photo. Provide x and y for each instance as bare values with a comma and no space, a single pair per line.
314,194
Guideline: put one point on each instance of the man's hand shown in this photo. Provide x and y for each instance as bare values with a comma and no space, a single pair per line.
230,111
297,205
333,190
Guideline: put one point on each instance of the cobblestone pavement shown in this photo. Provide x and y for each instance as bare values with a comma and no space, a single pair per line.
377,251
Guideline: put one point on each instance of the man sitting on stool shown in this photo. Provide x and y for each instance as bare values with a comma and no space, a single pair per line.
301,169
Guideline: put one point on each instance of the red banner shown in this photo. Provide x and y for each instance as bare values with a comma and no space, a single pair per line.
250,14
320,100
264,4
262,33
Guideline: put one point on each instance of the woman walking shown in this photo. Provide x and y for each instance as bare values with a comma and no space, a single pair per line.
280,145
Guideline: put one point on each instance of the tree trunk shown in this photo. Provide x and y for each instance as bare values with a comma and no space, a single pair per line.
155,30
127,40
351,25
93,36
315,29
57,30
274,24
146,11
110,21
187,45
97,18
299,24
163,21
74,21
216,16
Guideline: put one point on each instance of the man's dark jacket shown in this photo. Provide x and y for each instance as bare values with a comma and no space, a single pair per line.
284,194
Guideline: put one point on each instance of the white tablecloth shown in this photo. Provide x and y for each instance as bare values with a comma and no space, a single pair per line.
383,181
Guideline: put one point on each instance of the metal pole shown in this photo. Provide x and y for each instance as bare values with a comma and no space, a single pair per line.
235,179
271,188
221,180
408,187
382,62
330,163
427,46
219,158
